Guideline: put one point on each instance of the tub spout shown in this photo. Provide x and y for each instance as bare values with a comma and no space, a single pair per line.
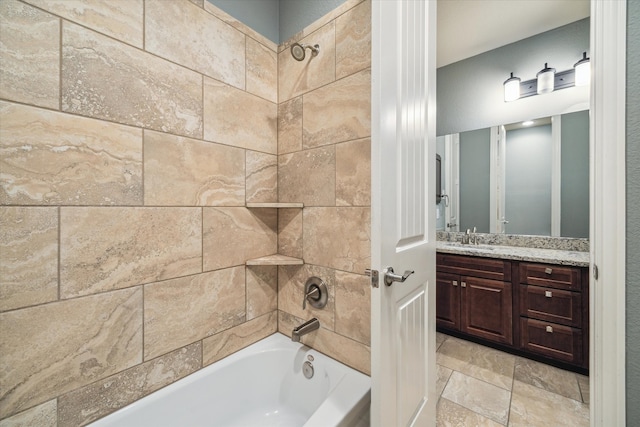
304,329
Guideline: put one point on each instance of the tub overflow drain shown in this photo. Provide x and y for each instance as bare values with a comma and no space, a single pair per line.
307,370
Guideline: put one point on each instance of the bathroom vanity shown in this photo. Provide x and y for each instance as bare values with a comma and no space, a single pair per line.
529,301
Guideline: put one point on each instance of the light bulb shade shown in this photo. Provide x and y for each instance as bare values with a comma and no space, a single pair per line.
583,71
511,89
546,79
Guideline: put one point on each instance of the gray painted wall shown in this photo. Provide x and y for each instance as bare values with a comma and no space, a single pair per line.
470,92
295,15
474,180
633,213
574,192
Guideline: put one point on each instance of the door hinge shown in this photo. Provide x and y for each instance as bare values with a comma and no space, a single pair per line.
374,275
595,272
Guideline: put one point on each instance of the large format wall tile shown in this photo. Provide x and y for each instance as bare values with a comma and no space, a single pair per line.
353,173
308,176
291,281
105,79
54,348
262,70
28,256
96,400
56,158
235,117
121,20
181,171
29,55
298,77
240,26
189,36
290,126
181,311
338,237
353,40
262,290
262,177
100,250
353,306
234,235
226,342
44,415
290,232
338,112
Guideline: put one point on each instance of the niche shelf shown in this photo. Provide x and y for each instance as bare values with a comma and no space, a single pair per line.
275,259
275,205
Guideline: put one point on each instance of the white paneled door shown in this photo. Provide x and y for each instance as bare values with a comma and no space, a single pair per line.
403,213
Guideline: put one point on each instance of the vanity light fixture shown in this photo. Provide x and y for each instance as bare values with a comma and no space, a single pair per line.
548,80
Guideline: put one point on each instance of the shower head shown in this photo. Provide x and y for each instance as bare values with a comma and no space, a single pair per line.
298,51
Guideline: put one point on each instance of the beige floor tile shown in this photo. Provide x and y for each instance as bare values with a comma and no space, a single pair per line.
532,406
440,338
486,399
583,383
450,414
442,378
547,377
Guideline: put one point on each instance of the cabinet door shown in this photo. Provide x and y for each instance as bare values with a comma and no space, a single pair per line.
448,300
486,307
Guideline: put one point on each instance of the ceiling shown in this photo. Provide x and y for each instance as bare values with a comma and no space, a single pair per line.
469,27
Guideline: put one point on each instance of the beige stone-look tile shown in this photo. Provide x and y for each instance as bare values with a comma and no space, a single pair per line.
478,396
449,414
224,16
262,177
308,176
442,377
235,117
353,40
338,237
121,20
180,171
353,306
45,415
548,377
100,250
330,16
29,55
181,311
353,173
54,348
340,111
199,3
262,70
28,256
290,232
234,235
189,36
99,399
227,342
55,158
262,290
105,79
298,77
534,407
291,281
351,353
290,126
484,363
440,338
583,382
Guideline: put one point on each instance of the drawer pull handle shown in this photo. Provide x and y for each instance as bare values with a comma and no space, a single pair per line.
455,282
550,329
548,294
463,284
548,270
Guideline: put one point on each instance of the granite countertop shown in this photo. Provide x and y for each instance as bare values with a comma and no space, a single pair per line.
517,253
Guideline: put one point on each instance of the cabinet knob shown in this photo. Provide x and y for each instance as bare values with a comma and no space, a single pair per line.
455,283
550,329
548,294
548,270
463,284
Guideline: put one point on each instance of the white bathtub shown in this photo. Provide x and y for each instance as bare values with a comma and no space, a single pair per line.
261,385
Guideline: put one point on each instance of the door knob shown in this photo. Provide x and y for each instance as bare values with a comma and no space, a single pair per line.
390,276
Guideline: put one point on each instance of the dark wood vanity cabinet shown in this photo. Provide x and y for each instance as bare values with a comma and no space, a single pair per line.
531,308
473,296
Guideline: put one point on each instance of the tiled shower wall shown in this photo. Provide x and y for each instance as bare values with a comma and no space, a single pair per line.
132,134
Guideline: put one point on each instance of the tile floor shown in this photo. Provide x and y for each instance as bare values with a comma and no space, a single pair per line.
481,386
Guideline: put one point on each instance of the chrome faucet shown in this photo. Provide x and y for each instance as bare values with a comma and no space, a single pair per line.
304,329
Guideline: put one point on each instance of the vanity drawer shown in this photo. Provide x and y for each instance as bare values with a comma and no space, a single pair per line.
552,340
552,276
552,305
487,268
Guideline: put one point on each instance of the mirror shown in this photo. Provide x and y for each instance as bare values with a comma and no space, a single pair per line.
519,178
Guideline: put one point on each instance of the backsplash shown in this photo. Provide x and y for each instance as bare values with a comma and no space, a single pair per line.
538,242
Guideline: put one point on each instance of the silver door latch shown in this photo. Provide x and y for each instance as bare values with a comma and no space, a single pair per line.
390,276
374,277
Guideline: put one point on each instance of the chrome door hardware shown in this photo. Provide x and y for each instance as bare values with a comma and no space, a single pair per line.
390,276
315,291
374,277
